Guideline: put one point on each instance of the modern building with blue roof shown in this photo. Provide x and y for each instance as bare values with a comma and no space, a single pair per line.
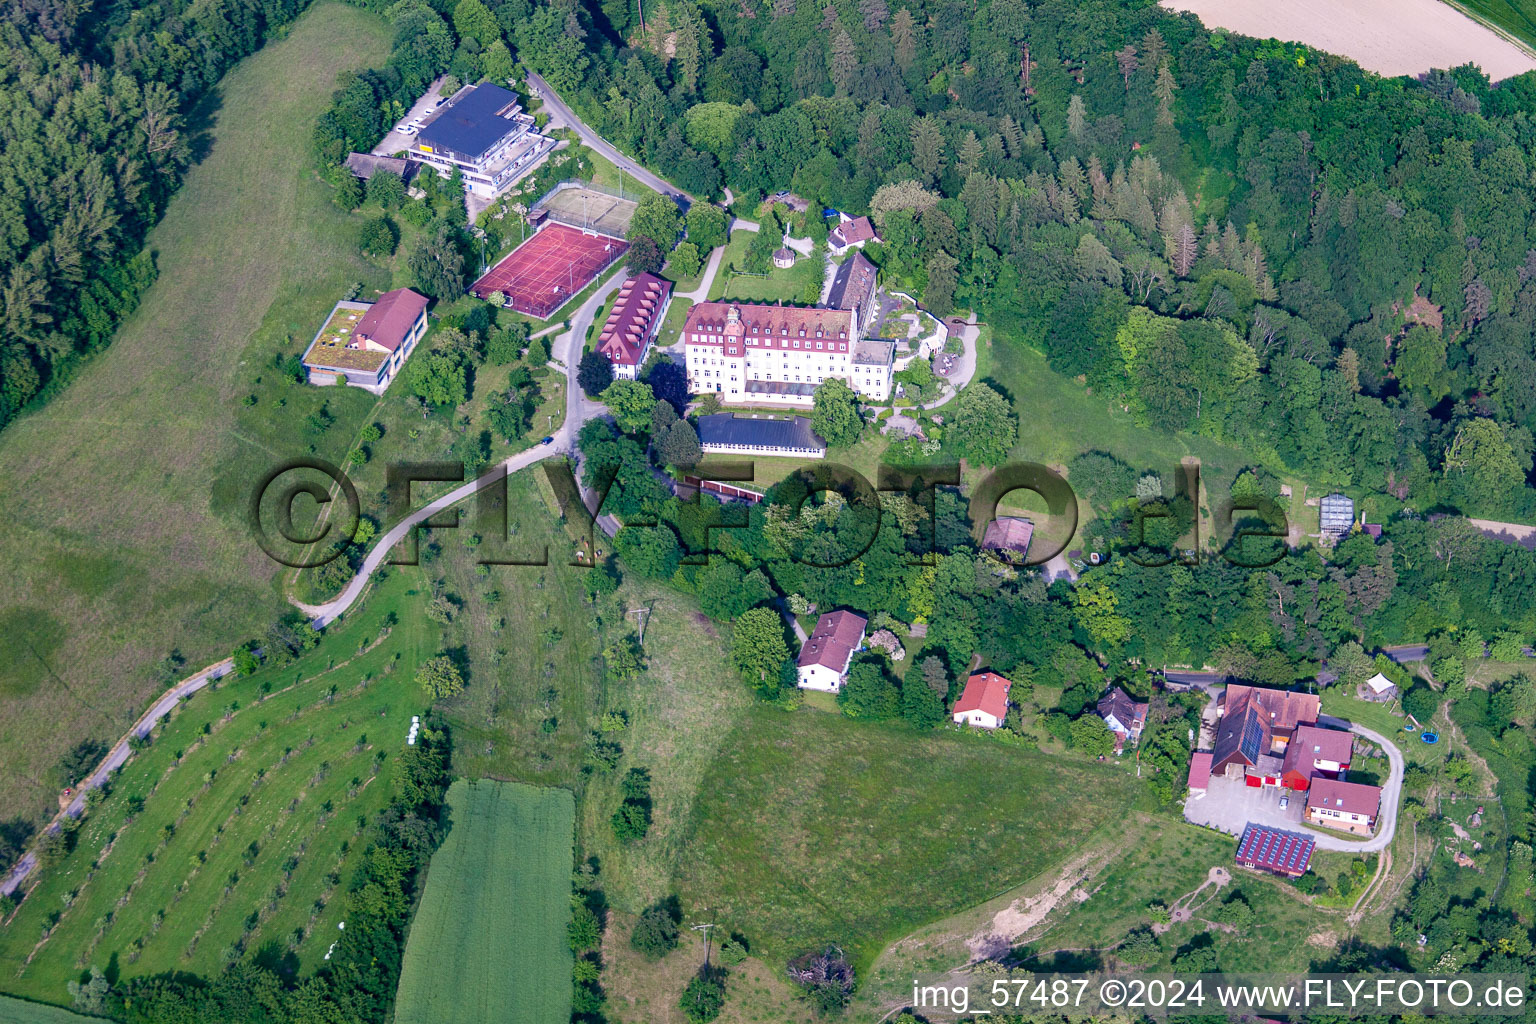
484,132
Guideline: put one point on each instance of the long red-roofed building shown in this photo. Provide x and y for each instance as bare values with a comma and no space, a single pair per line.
983,702
636,316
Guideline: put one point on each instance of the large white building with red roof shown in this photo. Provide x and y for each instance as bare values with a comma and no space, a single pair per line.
824,658
633,322
759,354
984,701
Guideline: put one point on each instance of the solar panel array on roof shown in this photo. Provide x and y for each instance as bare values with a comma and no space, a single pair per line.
1253,738
1274,849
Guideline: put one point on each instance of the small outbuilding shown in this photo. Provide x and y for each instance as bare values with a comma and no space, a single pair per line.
1336,515
1378,688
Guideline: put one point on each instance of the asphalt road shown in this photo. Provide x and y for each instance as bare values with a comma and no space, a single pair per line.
1391,797
562,114
578,409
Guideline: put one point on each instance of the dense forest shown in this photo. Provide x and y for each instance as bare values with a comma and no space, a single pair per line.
100,119
1227,235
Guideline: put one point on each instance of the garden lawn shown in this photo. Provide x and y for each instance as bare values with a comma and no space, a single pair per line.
814,829
777,285
255,799
488,944
127,492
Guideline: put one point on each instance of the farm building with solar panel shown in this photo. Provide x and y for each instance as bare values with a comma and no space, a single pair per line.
1275,850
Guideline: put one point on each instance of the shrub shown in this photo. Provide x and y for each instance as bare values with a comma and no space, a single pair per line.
655,933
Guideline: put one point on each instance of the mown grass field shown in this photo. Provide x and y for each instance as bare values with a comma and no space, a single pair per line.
776,286
815,829
255,797
527,637
488,943
126,494
17,1011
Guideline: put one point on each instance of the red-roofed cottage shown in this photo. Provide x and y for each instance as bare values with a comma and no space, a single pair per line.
851,233
983,702
633,322
1350,806
824,658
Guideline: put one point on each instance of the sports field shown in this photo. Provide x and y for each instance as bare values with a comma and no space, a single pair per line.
542,274
589,208
488,945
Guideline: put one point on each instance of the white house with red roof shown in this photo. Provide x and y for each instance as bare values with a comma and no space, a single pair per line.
632,324
824,658
1349,806
851,233
984,701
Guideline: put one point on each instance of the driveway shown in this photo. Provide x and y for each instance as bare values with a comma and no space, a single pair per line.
1229,805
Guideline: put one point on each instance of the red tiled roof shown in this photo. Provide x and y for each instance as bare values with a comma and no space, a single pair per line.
859,229
1313,744
1349,797
832,642
738,326
632,321
1200,770
984,691
1273,849
389,320
1251,715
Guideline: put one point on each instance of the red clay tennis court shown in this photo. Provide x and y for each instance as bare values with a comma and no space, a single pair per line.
541,275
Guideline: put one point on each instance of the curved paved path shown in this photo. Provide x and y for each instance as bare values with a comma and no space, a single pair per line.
115,759
1391,797
578,409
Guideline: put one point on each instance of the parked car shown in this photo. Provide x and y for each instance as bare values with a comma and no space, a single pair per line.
1285,800
547,440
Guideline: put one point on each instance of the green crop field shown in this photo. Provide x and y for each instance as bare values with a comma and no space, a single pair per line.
255,797
488,943
16,1011
814,829
1518,17
126,493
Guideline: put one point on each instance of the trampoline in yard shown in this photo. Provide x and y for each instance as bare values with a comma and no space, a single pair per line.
542,274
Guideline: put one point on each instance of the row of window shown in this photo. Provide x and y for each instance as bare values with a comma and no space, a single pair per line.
716,339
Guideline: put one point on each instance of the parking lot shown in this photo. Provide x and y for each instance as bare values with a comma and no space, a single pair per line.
1230,804
403,134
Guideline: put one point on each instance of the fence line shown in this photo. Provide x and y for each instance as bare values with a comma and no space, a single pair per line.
633,195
